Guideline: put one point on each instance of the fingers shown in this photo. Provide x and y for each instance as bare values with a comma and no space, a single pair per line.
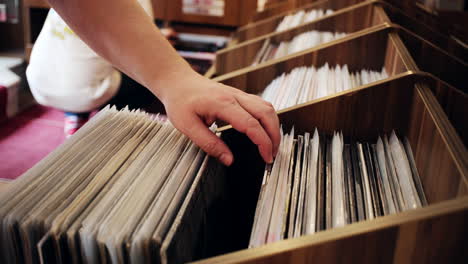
196,130
229,110
246,113
265,113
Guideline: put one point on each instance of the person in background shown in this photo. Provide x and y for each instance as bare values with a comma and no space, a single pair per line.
66,74
122,33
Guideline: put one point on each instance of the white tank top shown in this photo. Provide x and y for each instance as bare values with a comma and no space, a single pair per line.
65,73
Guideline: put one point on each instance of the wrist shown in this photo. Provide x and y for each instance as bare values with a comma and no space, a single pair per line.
171,82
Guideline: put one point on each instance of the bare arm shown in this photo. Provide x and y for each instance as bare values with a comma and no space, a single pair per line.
121,32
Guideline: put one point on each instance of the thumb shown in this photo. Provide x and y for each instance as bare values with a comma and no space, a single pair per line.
196,130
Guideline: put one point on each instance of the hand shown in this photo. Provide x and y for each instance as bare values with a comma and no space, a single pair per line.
194,103
132,43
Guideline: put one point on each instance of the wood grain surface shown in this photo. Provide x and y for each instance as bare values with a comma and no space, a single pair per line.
433,35
351,20
432,59
453,102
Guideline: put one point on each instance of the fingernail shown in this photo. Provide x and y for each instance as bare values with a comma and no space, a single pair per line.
270,160
226,159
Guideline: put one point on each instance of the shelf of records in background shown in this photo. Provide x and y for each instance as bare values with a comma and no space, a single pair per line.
308,35
292,18
265,45
267,9
364,18
310,89
295,197
386,162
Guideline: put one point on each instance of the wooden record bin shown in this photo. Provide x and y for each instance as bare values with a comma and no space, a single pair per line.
404,51
355,19
374,50
412,102
430,34
269,25
432,234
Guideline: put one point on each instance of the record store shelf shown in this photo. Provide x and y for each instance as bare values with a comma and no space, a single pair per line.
268,25
422,99
403,103
371,50
239,55
355,19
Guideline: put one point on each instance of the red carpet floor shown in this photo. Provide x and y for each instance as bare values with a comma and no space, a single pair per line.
27,138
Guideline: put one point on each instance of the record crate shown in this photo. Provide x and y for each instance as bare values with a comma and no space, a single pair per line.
268,25
414,20
409,101
219,218
404,51
374,50
353,20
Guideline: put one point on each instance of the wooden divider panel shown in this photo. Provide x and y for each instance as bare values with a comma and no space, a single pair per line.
438,170
430,58
431,34
434,234
453,102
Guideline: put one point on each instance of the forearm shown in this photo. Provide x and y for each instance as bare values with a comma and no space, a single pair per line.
121,32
